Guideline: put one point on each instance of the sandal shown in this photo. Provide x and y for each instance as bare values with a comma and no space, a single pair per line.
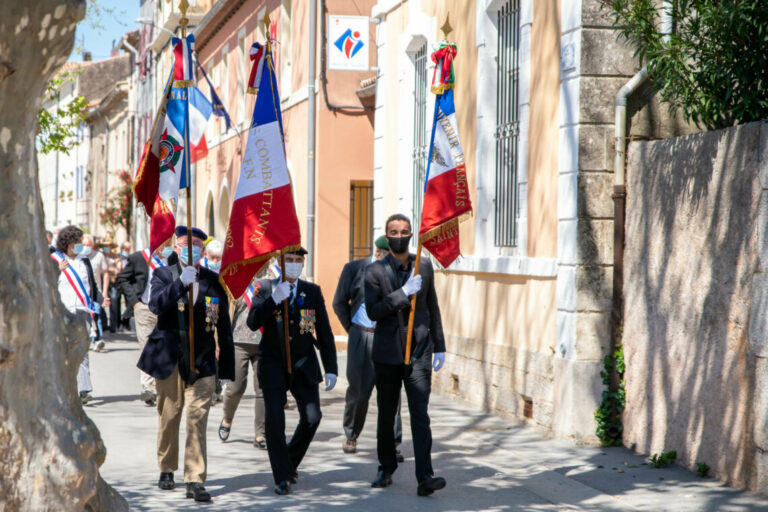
224,431
260,442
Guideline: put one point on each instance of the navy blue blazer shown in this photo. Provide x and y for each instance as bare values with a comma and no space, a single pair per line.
162,352
309,328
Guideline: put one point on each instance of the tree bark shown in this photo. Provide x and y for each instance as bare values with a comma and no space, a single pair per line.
50,452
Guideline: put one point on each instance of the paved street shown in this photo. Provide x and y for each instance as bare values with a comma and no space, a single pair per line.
489,463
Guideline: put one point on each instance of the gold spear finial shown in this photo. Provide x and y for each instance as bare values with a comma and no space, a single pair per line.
446,28
183,6
266,22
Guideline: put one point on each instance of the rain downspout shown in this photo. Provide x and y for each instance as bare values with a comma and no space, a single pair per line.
310,268
620,194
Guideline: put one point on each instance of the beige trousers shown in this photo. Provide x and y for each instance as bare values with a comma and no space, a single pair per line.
145,322
172,395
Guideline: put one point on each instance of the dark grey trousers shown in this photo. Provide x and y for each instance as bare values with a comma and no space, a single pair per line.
245,356
362,378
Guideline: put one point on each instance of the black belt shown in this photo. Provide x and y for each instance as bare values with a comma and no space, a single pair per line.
366,329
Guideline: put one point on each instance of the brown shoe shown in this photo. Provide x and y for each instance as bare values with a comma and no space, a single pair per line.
349,446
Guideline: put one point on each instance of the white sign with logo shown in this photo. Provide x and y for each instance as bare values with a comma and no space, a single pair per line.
348,43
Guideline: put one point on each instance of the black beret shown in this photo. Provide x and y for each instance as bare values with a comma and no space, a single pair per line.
196,232
299,252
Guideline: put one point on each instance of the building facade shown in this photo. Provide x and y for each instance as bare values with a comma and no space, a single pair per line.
339,210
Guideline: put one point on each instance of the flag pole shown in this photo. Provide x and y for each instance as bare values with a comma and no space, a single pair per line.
413,307
183,6
286,322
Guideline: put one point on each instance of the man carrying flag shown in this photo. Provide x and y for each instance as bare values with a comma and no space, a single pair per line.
263,224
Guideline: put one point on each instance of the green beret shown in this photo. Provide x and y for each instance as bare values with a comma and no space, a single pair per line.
382,243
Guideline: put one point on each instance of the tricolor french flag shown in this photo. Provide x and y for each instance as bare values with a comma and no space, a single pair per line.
263,222
183,70
256,54
446,193
200,110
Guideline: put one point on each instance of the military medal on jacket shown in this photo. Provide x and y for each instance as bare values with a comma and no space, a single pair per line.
211,313
307,321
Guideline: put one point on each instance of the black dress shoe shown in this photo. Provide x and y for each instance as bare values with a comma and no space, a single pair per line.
283,488
430,485
295,477
166,482
197,491
399,456
383,479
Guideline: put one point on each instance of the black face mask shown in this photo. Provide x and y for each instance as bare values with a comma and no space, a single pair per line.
399,245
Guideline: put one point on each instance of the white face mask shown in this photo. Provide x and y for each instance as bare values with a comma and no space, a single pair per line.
293,270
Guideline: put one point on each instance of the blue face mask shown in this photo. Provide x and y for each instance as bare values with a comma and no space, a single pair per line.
167,251
78,249
215,266
123,254
196,253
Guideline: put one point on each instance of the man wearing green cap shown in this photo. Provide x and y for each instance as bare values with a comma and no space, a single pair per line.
349,305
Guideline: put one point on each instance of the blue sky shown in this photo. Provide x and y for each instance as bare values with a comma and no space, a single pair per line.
115,17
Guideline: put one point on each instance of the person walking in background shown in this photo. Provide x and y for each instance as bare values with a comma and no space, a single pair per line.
78,292
99,265
124,310
389,285
246,354
349,306
113,292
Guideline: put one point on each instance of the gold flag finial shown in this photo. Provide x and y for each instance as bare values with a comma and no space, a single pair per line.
266,22
446,28
183,6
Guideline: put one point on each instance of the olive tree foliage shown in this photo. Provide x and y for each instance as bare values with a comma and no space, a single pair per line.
713,66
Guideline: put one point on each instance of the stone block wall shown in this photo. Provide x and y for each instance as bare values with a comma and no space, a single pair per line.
696,291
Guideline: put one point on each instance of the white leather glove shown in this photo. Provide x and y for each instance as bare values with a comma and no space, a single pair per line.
188,275
330,381
437,361
412,286
281,292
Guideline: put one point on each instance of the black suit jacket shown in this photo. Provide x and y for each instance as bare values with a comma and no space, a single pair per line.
384,301
133,279
265,313
350,292
162,352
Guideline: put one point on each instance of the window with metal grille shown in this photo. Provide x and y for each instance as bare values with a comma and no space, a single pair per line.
361,220
507,124
420,135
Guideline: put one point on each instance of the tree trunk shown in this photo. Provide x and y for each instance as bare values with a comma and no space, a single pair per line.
50,452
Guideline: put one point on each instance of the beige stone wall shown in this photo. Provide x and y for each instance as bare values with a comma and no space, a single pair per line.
694,296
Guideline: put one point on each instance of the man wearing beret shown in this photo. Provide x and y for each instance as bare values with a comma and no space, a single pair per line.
166,357
308,328
349,306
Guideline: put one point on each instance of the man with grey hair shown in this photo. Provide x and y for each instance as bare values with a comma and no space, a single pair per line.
212,256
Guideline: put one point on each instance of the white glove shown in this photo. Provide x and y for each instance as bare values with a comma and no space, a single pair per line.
412,286
437,360
330,381
281,292
188,275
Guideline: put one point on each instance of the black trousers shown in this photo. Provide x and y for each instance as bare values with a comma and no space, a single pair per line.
286,457
361,377
114,308
418,386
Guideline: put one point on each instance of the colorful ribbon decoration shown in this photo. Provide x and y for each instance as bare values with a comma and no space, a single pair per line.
443,59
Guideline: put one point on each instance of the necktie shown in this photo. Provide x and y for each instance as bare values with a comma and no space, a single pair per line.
293,292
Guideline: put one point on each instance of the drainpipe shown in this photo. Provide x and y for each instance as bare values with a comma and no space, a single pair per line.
310,268
620,196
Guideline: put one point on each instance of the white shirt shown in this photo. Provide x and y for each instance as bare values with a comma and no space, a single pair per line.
67,293
99,264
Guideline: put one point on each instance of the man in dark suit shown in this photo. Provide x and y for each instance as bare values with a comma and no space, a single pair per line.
349,305
132,283
308,328
389,284
166,357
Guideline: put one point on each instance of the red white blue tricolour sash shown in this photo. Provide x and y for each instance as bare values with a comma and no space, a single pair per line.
74,281
248,297
153,262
